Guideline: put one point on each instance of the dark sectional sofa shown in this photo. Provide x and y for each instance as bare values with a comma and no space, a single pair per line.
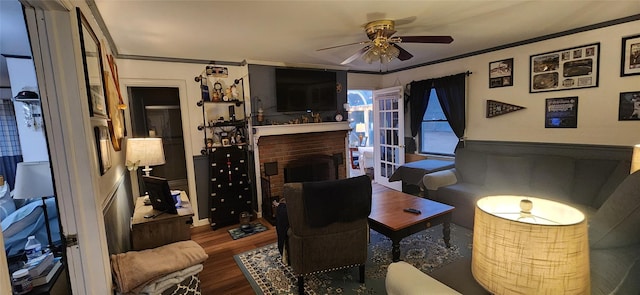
594,179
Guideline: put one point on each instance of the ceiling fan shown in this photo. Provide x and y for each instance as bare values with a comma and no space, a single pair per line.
382,47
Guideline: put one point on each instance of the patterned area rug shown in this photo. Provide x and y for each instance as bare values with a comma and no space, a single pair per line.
237,233
425,250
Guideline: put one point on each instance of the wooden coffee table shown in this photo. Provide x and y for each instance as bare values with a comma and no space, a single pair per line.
388,218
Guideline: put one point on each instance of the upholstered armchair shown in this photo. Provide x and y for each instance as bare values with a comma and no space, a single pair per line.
328,225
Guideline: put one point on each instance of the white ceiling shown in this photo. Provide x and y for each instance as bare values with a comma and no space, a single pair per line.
291,31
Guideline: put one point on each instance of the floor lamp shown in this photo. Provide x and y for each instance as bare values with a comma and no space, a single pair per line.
33,180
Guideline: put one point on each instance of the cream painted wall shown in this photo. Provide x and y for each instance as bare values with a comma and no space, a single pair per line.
364,81
597,107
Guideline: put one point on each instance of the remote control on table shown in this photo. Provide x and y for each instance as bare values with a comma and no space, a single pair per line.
412,210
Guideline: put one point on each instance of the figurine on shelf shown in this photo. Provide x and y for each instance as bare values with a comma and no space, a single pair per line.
217,91
260,117
305,119
316,118
227,94
234,92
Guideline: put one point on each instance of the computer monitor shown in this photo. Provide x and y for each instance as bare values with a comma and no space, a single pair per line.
159,194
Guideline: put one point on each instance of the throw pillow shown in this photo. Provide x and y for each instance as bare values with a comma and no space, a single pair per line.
7,206
616,222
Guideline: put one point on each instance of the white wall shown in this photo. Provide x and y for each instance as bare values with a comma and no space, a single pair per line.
22,73
597,107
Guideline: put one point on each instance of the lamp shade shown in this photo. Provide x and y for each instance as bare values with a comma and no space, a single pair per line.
33,180
360,127
635,159
145,151
541,251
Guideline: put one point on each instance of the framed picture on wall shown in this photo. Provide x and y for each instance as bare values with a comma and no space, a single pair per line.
629,108
630,56
561,112
565,69
93,71
103,145
501,73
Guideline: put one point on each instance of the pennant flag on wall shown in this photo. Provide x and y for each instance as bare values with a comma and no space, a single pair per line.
496,108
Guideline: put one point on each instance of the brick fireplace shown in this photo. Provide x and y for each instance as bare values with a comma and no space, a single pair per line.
286,143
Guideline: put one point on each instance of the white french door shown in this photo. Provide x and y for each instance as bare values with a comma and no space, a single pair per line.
388,130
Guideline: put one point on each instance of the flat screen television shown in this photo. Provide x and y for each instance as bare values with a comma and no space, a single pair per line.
305,90
159,194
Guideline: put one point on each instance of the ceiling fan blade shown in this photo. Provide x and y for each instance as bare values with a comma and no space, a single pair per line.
332,47
426,39
387,33
404,55
356,55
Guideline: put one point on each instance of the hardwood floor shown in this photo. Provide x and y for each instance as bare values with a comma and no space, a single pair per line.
221,274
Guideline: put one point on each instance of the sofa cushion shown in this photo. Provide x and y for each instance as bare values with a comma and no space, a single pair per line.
508,174
552,176
614,179
589,176
404,279
618,219
609,268
471,166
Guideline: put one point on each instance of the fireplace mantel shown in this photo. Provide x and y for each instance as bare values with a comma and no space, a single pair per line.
313,131
268,130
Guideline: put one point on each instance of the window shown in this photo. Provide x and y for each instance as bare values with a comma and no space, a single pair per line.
360,112
436,136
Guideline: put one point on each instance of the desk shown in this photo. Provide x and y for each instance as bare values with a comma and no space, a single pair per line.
147,233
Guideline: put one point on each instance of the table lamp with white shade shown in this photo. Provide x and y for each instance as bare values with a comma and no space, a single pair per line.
526,245
360,130
144,152
33,180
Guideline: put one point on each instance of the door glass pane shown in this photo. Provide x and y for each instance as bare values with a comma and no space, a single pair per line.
383,170
395,137
381,105
395,119
395,104
387,104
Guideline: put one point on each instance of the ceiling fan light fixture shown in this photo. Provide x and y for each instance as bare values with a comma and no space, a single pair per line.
393,51
370,56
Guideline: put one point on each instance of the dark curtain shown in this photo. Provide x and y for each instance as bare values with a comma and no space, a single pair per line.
10,151
451,94
419,98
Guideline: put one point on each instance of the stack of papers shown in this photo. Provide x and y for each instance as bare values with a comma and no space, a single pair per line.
47,274
38,265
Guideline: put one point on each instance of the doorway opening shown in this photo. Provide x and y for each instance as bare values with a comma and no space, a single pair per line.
155,112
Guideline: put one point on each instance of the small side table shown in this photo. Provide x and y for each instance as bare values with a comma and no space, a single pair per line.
147,233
